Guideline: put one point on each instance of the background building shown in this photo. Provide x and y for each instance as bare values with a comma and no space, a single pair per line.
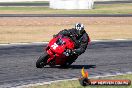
48,0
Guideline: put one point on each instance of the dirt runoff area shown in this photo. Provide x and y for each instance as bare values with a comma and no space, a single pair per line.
36,29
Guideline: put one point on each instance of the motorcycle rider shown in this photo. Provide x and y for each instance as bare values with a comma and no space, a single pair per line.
80,38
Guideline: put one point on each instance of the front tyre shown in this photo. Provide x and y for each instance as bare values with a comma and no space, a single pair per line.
42,61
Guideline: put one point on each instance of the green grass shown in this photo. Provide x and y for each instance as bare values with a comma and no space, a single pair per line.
24,8
75,83
28,2
98,9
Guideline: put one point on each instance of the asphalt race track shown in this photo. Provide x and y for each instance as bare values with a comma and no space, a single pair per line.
65,15
17,63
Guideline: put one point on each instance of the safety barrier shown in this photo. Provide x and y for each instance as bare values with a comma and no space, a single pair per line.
71,4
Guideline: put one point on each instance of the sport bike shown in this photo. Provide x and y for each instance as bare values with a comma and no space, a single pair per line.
56,52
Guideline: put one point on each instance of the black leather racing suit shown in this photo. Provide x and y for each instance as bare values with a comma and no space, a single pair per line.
81,41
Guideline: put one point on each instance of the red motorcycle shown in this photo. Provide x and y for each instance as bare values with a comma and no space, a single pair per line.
56,52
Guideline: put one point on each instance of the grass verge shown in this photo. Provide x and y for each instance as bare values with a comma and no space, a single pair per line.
75,83
98,9
39,34
20,30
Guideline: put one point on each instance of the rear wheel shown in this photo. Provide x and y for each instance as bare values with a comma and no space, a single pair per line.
42,61
69,61
52,63
67,64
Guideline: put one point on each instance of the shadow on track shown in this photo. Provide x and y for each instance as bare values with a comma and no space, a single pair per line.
74,67
81,66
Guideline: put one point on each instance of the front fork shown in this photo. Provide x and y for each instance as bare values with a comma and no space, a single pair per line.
51,54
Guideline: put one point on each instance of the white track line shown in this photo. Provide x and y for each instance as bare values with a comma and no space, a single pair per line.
32,43
110,40
43,83
38,43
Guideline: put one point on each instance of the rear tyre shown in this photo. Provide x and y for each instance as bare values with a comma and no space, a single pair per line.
66,65
42,61
69,62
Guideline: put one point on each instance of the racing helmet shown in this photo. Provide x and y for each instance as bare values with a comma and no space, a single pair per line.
80,28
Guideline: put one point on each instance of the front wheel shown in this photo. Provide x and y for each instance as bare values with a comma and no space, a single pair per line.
42,61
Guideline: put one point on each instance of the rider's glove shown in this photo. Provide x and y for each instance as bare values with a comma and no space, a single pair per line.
68,52
74,51
71,52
